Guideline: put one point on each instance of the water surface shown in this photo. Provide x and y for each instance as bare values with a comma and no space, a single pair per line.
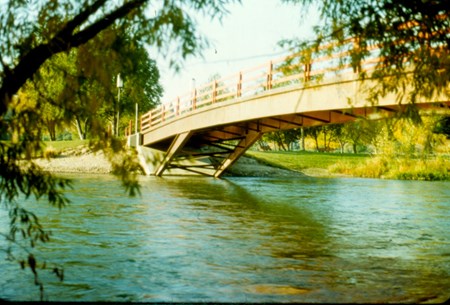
244,240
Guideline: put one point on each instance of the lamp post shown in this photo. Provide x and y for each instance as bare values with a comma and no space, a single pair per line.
119,86
137,118
194,94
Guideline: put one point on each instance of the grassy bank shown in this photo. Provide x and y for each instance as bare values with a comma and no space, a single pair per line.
303,160
432,168
62,145
55,148
357,165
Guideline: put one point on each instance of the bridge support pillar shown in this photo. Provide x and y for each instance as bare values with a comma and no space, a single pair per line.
175,147
250,138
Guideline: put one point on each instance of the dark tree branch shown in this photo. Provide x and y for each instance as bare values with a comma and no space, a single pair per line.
78,20
64,40
87,34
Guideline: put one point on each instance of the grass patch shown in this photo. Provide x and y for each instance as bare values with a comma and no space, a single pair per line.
358,165
52,149
432,169
62,145
302,160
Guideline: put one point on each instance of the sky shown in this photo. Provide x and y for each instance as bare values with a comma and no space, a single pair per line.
246,37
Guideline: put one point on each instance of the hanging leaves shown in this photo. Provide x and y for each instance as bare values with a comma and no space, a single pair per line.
412,41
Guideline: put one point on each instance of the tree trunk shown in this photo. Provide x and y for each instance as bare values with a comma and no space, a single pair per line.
302,134
316,139
51,127
342,144
280,143
81,134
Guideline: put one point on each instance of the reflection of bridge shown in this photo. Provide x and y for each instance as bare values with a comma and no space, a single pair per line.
208,130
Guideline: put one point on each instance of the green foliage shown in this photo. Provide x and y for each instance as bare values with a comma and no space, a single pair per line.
443,126
50,152
412,37
79,86
358,165
282,138
403,149
401,168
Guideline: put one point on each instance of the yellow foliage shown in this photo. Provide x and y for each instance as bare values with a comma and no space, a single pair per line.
51,152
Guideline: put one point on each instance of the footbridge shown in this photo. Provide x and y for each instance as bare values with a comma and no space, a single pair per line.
207,130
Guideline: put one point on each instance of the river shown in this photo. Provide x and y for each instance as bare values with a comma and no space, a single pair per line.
197,239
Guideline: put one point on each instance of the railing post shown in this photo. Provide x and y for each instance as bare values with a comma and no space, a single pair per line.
308,66
269,76
178,106
214,93
194,100
130,127
239,86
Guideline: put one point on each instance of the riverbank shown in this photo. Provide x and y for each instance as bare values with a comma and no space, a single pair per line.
82,160
432,167
76,160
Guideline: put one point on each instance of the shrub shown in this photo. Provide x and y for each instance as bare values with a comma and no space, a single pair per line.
51,152
403,168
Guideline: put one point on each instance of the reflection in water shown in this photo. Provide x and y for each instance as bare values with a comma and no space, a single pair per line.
246,239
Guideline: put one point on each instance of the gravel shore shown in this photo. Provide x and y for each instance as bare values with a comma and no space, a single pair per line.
94,163
82,160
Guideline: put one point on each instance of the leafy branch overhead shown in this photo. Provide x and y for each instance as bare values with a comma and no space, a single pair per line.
28,39
412,38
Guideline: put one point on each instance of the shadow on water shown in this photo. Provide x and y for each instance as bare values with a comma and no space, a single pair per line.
199,239
338,234
256,203
282,226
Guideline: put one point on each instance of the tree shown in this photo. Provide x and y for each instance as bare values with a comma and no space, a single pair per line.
283,138
313,132
412,37
33,32
120,54
443,126
45,89
338,134
92,93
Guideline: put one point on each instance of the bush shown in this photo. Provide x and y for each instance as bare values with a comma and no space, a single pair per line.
51,152
391,167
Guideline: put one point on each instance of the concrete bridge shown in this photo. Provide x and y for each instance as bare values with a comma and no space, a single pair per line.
207,130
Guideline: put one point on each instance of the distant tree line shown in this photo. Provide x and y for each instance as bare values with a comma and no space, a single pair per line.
365,136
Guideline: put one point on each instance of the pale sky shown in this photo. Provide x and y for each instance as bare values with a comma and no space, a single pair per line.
247,37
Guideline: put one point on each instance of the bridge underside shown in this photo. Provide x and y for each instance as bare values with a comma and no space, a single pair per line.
210,151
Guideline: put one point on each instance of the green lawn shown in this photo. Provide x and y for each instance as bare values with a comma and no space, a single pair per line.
300,160
403,168
61,145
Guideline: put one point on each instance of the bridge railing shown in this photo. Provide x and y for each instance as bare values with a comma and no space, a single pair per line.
296,70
